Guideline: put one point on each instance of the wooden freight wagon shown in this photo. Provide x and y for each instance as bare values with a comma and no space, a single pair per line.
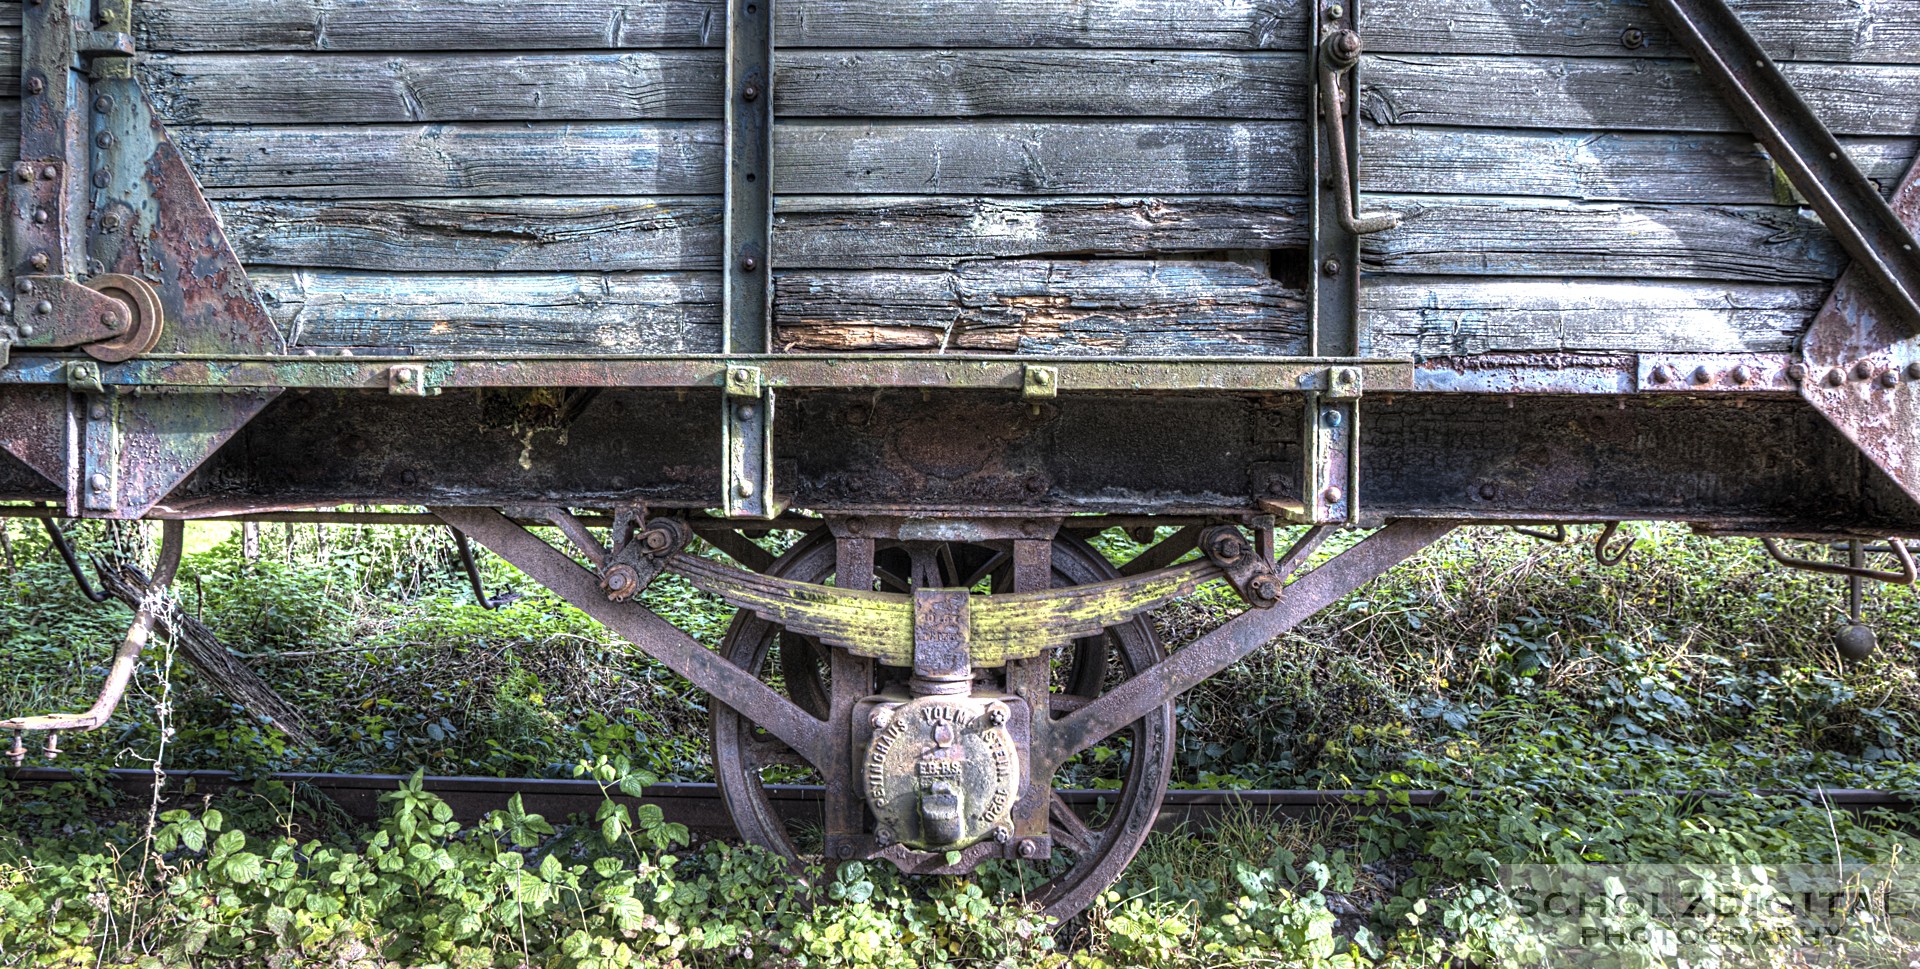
951,286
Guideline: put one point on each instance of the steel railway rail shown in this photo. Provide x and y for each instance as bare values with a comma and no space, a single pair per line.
701,809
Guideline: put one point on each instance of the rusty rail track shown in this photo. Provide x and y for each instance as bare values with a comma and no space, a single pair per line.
699,807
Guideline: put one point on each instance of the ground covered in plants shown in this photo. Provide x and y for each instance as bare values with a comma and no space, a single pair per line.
1574,714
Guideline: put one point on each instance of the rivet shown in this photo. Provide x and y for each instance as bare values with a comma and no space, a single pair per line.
1835,378
1330,268
101,178
403,375
750,91
41,216
23,172
1032,528
844,850
1335,11
409,477
1331,416
103,103
1742,375
43,308
104,139
1797,372
1702,375
1332,496
1890,378
98,482
748,263
108,323
856,525
49,173
1633,38
26,329
24,286
1913,370
744,412
1489,491
1862,370
98,411
39,260
35,85
1657,375
745,488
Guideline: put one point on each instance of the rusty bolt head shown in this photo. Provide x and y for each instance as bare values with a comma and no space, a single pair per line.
1034,484
1028,848
744,412
43,307
620,582
880,717
36,85
26,329
405,375
1265,587
109,222
748,263
23,172
1489,491
1330,268
102,178
1227,545
109,323
39,261
996,714
1633,38
856,525
97,410
657,539
1702,375
1002,834
1835,378
1345,46
49,173
1913,370
104,139
1335,11
1332,496
24,286
98,482
1862,370
1890,378
1331,416
409,477
844,850
1742,374
883,836
1797,372
750,91
41,216
103,103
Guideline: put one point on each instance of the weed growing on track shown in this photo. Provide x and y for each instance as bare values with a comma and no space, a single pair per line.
1542,692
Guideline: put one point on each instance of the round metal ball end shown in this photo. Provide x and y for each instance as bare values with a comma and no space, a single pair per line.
1855,642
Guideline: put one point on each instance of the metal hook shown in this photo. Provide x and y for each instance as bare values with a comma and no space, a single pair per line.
1558,536
73,562
1604,556
1338,54
473,574
1901,553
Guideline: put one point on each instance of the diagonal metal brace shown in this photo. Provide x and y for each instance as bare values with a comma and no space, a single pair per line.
1881,246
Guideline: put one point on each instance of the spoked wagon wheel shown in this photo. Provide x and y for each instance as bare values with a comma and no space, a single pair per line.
1089,851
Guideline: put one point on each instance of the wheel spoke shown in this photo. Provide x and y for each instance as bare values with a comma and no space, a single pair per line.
769,752
1066,702
1069,831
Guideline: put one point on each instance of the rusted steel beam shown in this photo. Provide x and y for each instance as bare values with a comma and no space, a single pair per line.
655,636
1217,650
1882,248
1251,374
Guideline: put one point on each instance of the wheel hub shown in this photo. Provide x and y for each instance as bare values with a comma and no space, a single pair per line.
941,773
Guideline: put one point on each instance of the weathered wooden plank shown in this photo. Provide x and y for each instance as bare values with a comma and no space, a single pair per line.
1448,316
519,314
1658,168
650,85
1617,94
1882,31
10,54
1057,306
683,158
1552,237
1083,307
620,234
244,25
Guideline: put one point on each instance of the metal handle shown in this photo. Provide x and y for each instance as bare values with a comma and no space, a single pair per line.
1901,553
1338,54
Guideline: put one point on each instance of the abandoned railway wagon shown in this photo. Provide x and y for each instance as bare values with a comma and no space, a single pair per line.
951,286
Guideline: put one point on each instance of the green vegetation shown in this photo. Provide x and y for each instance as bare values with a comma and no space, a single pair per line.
1551,698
